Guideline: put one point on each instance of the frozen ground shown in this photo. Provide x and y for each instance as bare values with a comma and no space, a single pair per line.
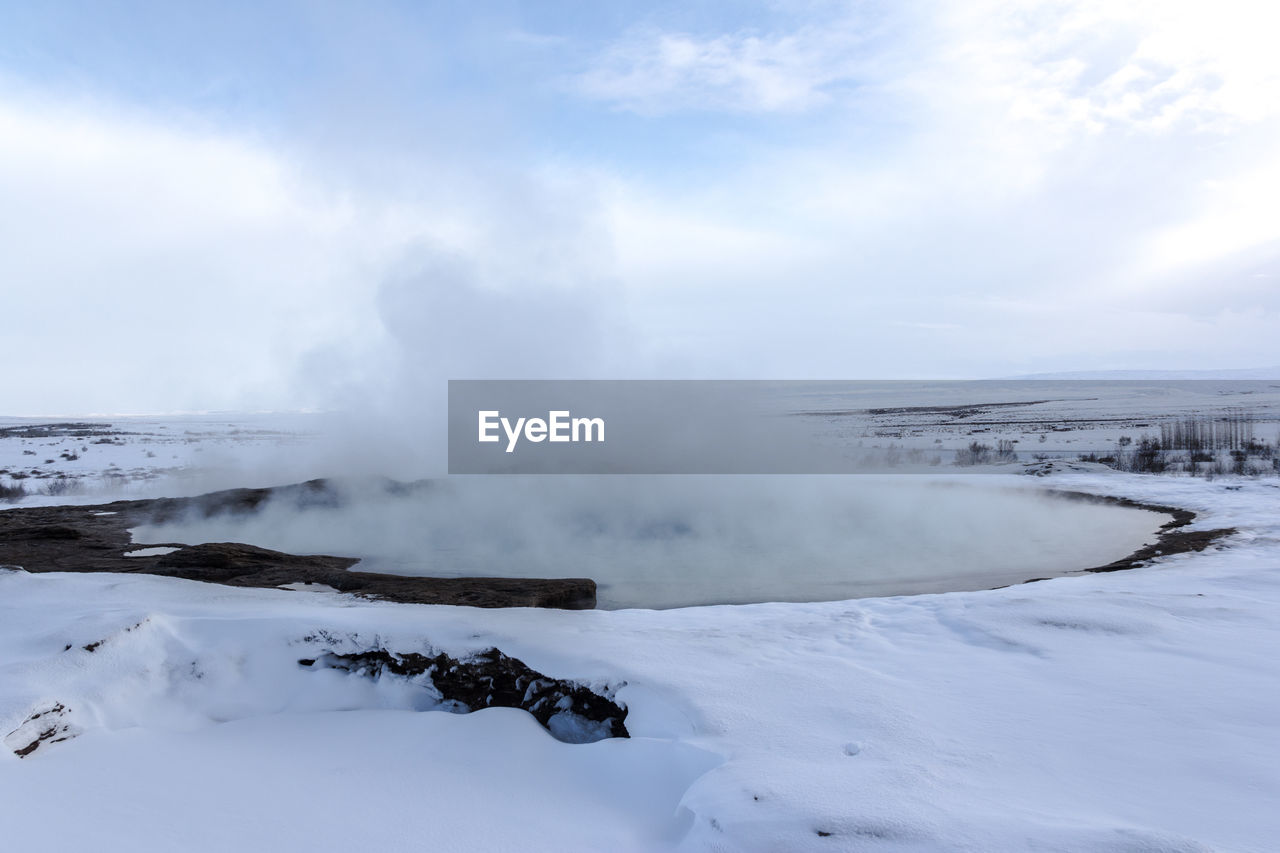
96,459
1051,418
1135,711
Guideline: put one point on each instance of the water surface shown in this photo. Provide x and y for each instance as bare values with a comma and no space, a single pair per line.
678,541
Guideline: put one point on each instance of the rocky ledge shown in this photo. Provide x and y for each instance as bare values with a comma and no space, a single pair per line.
96,539
570,711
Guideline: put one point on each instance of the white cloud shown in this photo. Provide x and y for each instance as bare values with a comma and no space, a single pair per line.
1087,66
1037,177
980,179
148,266
657,72
1071,64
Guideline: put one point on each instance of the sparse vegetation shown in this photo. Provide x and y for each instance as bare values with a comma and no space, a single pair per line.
62,485
976,453
12,492
1231,431
1198,446
1147,458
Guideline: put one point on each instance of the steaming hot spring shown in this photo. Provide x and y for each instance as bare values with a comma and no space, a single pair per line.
661,542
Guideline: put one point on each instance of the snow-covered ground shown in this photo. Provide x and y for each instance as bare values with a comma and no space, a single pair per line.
1134,711
1050,418
96,459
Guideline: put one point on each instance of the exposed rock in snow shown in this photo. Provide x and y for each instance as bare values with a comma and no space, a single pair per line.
47,724
491,679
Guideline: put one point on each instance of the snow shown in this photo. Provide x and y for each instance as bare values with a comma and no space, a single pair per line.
149,552
94,460
307,586
1132,711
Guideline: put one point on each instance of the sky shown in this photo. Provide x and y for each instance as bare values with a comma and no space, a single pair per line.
325,205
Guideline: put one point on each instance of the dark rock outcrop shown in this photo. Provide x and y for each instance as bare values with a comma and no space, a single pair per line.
45,725
491,679
96,538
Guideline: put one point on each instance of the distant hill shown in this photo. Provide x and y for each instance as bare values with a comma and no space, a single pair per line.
1233,373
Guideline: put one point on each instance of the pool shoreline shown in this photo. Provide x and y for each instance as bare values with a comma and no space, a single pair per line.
1170,540
96,538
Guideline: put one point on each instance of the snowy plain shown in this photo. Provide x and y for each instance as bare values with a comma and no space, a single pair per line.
1132,711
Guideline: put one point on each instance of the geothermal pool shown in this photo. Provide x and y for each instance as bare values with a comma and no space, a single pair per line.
663,542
